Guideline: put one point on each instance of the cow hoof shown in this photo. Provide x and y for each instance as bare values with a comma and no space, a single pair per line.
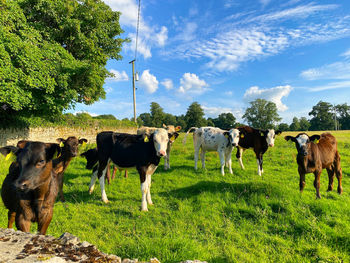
144,209
106,201
90,192
340,190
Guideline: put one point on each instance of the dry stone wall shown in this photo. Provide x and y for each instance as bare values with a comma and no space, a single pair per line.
12,136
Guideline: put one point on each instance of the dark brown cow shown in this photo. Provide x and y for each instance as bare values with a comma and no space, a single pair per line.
30,189
257,139
60,164
314,157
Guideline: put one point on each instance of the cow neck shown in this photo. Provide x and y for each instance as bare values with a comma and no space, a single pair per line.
61,163
42,190
156,158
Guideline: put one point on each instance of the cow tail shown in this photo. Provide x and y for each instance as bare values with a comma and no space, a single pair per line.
189,130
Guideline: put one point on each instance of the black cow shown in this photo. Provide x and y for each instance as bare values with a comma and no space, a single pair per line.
126,151
259,140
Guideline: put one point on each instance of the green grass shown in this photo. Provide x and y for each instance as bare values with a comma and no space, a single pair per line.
203,215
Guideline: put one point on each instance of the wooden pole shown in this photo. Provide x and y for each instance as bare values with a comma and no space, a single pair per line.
133,87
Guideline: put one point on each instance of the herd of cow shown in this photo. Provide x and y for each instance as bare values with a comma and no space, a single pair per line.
36,173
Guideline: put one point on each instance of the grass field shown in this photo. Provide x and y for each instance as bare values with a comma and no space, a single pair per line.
203,215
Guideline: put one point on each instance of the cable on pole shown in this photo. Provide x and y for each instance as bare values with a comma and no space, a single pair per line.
137,28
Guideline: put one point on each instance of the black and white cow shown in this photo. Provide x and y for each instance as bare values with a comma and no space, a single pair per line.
127,151
258,140
214,139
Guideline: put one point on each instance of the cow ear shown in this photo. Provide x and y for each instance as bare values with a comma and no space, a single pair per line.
173,136
227,134
21,144
10,152
278,132
60,140
53,150
82,141
145,137
164,126
315,137
178,128
287,138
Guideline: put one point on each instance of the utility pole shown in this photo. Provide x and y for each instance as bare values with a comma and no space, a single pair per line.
133,86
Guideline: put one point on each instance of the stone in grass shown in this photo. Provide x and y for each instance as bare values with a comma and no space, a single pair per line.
193,261
68,238
154,260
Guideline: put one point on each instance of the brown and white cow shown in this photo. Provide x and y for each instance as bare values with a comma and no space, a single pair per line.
258,140
214,139
314,157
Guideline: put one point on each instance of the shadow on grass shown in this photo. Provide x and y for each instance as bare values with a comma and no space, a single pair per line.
243,190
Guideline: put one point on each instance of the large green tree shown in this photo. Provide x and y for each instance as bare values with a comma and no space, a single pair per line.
53,53
261,114
343,113
225,121
195,116
304,124
322,117
295,125
157,115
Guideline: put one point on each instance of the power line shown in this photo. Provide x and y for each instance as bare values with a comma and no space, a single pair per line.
137,28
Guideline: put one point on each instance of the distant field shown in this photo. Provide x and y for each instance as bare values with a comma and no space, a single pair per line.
203,215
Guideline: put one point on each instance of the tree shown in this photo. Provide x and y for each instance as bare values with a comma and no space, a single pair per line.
195,116
225,121
53,54
157,115
169,119
343,112
261,114
304,124
106,117
322,117
145,118
295,125
283,127
180,121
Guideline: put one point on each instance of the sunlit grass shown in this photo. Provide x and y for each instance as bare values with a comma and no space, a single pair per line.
203,215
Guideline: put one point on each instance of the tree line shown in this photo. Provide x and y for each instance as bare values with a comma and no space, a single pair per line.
260,114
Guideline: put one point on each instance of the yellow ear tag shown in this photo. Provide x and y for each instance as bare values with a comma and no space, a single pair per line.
146,139
172,138
317,141
83,144
262,134
226,135
61,144
242,135
11,157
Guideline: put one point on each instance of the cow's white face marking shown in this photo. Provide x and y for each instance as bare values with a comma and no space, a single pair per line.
270,137
302,140
160,140
234,134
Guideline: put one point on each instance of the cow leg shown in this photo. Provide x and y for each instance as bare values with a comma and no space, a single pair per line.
60,186
317,183
44,220
93,181
144,187
222,161
11,218
151,169
114,172
22,223
239,156
259,161
331,173
167,158
203,158
102,185
302,180
229,161
108,173
338,172
126,173
196,153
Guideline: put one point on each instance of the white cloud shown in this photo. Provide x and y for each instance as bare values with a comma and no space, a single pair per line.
332,85
148,81
118,76
190,83
108,89
228,93
187,32
82,111
264,2
215,111
337,70
273,94
346,53
168,84
149,36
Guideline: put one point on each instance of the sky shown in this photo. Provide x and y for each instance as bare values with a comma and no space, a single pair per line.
227,53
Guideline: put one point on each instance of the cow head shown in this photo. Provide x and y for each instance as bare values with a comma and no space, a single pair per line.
270,135
70,146
302,141
160,141
233,137
34,162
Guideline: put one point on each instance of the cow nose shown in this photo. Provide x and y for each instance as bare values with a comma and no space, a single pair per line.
304,153
22,185
271,145
234,144
162,153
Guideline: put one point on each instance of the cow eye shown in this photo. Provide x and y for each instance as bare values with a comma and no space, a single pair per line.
40,163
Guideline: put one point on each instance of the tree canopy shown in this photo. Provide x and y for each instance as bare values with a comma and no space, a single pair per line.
195,116
261,114
53,53
322,117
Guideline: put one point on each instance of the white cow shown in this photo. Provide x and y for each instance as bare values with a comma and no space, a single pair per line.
214,139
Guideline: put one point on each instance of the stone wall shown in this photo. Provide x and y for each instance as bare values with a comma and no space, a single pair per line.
12,136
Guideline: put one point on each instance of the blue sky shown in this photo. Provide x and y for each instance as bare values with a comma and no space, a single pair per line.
226,53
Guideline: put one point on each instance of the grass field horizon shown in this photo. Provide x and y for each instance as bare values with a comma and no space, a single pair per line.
203,215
